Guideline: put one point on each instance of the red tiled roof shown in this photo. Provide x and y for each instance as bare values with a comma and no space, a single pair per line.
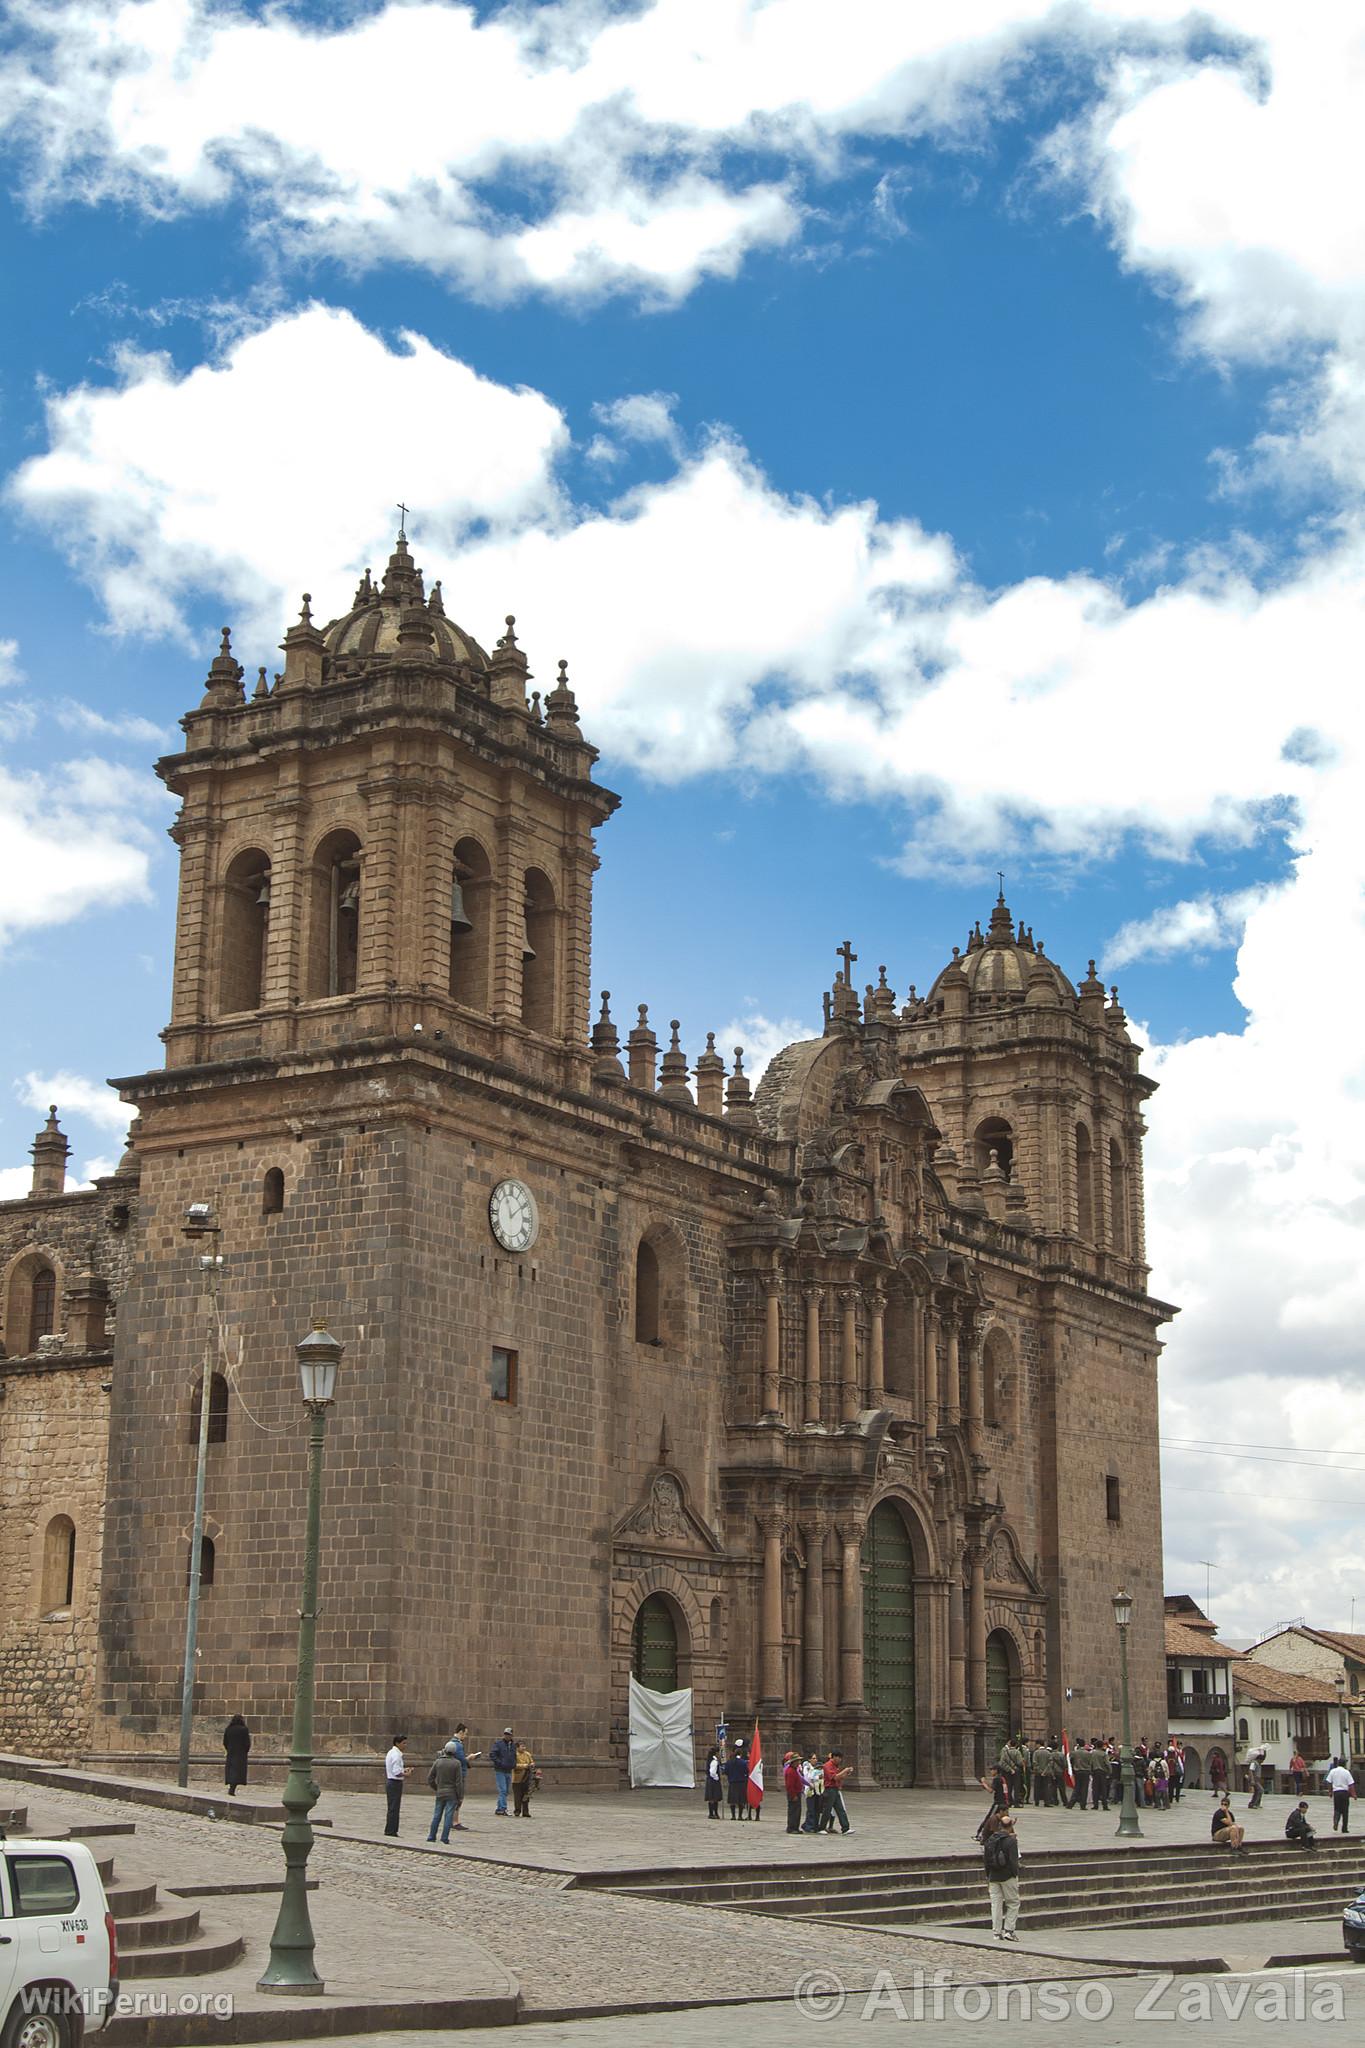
1196,1645
1271,1688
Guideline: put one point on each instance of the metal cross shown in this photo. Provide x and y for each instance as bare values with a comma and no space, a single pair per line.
402,522
1000,872
848,956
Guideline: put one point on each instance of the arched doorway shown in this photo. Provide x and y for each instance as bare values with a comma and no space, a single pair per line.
1002,1693
889,1645
654,1646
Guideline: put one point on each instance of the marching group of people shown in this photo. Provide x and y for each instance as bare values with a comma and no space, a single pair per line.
1051,1773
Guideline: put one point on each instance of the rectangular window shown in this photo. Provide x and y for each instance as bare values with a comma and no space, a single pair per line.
43,1884
1111,1498
503,1380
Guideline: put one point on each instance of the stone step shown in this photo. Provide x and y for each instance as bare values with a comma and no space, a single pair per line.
213,1948
1203,1908
164,1927
945,1899
130,1897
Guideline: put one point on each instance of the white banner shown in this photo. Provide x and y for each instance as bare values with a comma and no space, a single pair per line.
660,1737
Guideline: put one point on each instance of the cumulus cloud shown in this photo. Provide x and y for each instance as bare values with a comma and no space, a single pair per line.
761,1038
1195,925
73,838
125,725
10,671
74,1095
642,416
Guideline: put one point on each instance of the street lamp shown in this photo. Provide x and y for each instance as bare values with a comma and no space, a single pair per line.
1343,1740
290,1968
1128,1819
198,1226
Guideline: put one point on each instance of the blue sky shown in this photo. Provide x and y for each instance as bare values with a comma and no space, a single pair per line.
935,454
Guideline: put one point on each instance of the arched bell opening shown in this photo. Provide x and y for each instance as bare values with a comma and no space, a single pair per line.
334,936
995,1136
245,929
539,968
471,926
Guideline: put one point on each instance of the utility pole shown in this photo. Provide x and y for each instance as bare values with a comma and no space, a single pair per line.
198,1226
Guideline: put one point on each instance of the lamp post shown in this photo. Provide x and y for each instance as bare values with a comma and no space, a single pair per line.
290,1968
1128,1819
198,1225
1343,1738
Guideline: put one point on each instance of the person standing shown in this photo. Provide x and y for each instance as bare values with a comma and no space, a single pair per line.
1218,1774
1298,1771
1081,1765
525,1778
503,1757
1255,1762
458,1738
444,1780
1001,1855
1099,1772
1175,1768
395,1771
1343,1788
814,1780
737,1784
794,1786
1012,1764
714,1785
1042,1773
237,1743
835,1771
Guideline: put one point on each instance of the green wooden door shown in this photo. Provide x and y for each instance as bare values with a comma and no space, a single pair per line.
1000,1708
889,1645
654,1646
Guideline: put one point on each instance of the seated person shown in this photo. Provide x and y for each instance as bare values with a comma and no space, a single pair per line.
1297,1827
1225,1828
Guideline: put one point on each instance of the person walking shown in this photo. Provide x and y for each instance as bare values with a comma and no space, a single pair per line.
237,1743
1298,1828
1298,1771
1082,1763
525,1778
1255,1763
737,1784
794,1786
459,1739
1343,1789
444,1780
503,1757
1099,1772
1218,1774
395,1771
836,1770
1226,1829
1001,1854
714,1784
1175,1769
814,1780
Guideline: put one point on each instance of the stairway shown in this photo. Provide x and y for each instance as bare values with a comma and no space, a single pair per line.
156,1937
1189,1884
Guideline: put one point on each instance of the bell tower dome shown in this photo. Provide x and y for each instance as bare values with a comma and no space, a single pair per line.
389,835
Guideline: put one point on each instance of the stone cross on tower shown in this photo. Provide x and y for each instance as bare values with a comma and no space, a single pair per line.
848,956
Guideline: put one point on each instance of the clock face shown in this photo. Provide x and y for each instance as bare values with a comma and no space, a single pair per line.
513,1216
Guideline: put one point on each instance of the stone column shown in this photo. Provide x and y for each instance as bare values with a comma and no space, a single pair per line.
876,1348
773,1527
951,1400
851,1615
976,1631
848,1355
976,1408
812,1298
931,1388
772,1349
957,1666
813,1634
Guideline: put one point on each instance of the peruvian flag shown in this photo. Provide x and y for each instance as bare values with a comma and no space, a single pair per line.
756,1769
1066,1762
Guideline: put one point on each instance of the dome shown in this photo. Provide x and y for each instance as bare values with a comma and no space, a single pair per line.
1000,964
371,629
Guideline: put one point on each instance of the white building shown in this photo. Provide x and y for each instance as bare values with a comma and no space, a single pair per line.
1282,1711
1198,1688
1337,1659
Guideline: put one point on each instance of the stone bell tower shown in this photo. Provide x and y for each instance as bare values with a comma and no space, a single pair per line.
389,836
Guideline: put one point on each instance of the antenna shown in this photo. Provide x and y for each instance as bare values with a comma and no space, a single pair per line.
1209,1570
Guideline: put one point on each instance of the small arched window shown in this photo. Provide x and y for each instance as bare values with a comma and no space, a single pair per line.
538,954
272,1191
59,1565
208,1558
471,926
218,1409
42,1313
647,1294
996,1136
246,921
1085,1185
1243,1731
1118,1199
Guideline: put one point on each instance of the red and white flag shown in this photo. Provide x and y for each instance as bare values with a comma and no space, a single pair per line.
756,1769
1066,1762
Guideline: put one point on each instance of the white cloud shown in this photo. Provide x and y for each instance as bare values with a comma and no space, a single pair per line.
10,671
15,1182
74,1095
1197,924
125,725
73,838
761,1038
643,416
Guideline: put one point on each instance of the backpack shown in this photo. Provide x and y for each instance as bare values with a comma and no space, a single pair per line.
998,1857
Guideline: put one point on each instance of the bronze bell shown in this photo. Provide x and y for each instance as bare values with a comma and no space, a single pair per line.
349,899
262,897
459,919
528,951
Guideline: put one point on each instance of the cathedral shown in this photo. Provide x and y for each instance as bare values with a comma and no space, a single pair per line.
833,1399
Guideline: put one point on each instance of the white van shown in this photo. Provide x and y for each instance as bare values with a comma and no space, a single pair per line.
58,1948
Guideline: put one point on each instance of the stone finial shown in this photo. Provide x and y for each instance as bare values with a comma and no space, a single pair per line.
879,1006
1116,1017
673,1072
1091,993
365,593
416,634
739,1106
402,578
262,688
974,939
535,708
1001,932
642,1050
561,706
508,674
303,650
50,1153
436,603
606,1046
223,686
710,1073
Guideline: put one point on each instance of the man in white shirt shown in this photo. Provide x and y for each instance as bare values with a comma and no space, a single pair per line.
1343,1786
395,1770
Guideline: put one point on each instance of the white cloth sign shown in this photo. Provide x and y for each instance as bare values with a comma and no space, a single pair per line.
660,1736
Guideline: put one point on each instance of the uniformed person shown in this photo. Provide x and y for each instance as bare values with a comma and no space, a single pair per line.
1081,1764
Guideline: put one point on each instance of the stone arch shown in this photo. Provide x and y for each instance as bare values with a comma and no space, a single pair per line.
25,1278
472,925
898,1636
540,966
995,1134
666,1582
244,926
57,1584
659,1287
218,1409
999,1379
334,915
1004,1680
919,1523
272,1191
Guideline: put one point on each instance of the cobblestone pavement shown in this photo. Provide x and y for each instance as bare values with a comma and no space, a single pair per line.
570,1950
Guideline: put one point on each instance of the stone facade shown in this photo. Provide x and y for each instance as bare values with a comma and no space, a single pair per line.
840,1400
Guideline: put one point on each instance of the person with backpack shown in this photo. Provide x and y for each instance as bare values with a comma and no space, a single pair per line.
1001,1853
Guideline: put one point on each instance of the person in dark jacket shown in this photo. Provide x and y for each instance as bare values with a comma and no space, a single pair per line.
503,1757
446,1779
737,1778
1001,1853
713,1784
237,1743
1298,1828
